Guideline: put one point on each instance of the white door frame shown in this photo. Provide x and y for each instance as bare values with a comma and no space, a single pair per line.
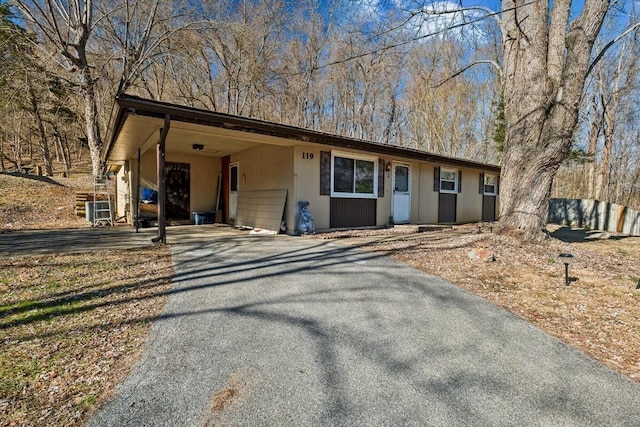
405,197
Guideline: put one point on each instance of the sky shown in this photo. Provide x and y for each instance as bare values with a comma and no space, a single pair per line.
380,9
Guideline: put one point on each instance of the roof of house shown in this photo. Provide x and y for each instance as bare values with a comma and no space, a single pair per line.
135,120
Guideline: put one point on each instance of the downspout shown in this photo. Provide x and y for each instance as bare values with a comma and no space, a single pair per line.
138,194
160,149
419,192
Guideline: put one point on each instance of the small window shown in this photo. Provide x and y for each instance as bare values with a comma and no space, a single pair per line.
233,178
490,184
401,179
353,176
448,181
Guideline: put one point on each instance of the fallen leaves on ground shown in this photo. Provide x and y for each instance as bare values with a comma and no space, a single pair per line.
71,326
29,202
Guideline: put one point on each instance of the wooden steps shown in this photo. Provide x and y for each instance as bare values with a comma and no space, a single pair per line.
80,203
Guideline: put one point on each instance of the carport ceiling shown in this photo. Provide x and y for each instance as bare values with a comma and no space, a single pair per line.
140,131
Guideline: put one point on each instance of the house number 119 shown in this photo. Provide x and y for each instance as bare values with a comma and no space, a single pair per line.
307,156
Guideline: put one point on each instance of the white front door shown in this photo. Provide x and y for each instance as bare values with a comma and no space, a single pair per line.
233,189
401,204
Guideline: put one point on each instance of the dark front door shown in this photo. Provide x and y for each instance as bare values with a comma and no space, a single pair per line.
447,207
488,208
178,190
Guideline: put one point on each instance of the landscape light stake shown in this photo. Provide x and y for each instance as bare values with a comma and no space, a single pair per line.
566,258
479,227
491,227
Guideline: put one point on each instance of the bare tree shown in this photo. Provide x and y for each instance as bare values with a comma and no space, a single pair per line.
444,114
85,37
614,87
135,38
547,57
302,90
36,111
66,28
246,42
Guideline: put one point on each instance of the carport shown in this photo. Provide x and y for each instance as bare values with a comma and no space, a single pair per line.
150,141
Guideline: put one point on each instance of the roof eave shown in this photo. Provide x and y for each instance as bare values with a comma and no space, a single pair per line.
127,104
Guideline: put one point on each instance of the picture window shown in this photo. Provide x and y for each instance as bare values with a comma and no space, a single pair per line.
354,176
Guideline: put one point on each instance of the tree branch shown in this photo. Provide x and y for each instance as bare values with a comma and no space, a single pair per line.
489,13
457,73
611,43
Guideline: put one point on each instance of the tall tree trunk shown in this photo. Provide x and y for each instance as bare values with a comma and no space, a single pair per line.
56,150
17,151
2,168
94,139
545,67
66,153
44,143
591,165
602,176
62,147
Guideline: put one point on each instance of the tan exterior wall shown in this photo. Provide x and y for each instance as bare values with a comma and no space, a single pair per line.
424,201
268,167
383,206
306,177
204,180
148,172
428,203
469,201
204,172
469,207
297,169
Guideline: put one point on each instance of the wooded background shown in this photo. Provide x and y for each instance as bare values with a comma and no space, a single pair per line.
419,76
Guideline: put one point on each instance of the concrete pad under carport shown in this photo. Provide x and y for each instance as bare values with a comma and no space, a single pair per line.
307,332
42,242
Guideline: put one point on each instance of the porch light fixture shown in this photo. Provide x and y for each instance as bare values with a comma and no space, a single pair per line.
197,147
566,259
388,167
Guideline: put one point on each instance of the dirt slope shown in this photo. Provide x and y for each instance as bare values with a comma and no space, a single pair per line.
36,202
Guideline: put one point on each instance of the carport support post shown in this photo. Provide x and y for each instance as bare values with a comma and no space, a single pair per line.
160,149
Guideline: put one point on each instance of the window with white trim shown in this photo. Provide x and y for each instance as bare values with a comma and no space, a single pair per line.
353,175
490,185
448,180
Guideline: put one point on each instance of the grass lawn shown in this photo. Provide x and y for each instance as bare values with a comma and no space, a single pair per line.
71,326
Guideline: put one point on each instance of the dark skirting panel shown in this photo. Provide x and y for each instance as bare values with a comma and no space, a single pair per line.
488,208
447,207
352,212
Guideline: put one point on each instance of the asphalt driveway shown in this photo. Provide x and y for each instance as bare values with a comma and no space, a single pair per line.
292,331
